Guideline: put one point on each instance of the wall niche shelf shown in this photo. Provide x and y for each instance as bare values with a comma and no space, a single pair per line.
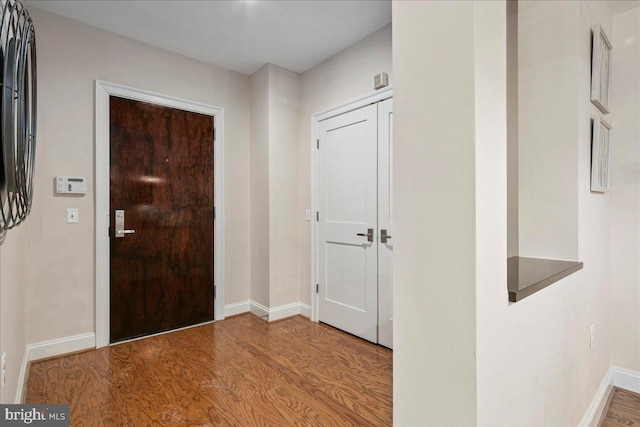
545,116
526,276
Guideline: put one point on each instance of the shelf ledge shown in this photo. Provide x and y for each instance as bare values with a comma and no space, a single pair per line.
526,276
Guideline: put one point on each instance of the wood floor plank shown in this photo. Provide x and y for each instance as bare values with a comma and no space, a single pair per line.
624,409
238,372
313,409
364,405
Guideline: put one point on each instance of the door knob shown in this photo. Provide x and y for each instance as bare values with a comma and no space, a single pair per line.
369,234
120,230
384,237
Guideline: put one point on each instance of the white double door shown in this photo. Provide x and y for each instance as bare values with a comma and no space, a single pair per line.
355,259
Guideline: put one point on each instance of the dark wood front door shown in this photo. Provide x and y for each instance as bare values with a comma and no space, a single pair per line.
161,176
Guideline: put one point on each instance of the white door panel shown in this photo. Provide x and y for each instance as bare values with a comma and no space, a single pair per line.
355,193
346,173
346,280
347,202
385,222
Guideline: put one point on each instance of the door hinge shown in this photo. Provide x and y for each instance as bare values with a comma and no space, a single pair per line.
214,134
215,292
109,231
317,288
214,212
317,144
318,216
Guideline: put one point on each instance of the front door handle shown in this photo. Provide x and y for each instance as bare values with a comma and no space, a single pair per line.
369,234
120,230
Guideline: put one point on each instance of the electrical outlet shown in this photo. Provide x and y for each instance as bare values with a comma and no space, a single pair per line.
593,335
4,368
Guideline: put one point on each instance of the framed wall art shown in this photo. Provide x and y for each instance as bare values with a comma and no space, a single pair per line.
600,156
601,70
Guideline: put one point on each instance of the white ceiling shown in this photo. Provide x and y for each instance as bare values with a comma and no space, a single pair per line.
241,35
619,6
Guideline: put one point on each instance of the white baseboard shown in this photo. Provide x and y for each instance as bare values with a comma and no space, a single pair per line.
259,310
592,416
50,348
237,308
268,314
22,378
614,377
288,310
284,311
60,346
305,310
627,380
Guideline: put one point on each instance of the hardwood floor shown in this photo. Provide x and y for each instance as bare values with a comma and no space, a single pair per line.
623,410
238,372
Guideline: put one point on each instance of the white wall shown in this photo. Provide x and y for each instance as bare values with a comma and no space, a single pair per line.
13,337
284,211
275,270
625,191
59,274
434,366
548,129
532,364
260,186
535,354
237,186
340,79
513,242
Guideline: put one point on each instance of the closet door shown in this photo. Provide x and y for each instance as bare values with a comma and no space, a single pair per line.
385,223
348,209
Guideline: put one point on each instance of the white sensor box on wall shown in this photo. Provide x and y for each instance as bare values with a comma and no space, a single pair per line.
380,80
71,185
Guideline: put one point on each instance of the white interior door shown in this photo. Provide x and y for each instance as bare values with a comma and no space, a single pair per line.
385,223
347,225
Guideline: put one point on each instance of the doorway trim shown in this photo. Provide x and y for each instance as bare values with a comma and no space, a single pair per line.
316,118
102,263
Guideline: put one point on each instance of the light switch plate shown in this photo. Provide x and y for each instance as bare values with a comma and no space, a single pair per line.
72,215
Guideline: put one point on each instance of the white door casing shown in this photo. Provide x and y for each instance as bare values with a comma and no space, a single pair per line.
385,222
347,205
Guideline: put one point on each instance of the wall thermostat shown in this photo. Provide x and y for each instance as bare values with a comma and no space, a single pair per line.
71,185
